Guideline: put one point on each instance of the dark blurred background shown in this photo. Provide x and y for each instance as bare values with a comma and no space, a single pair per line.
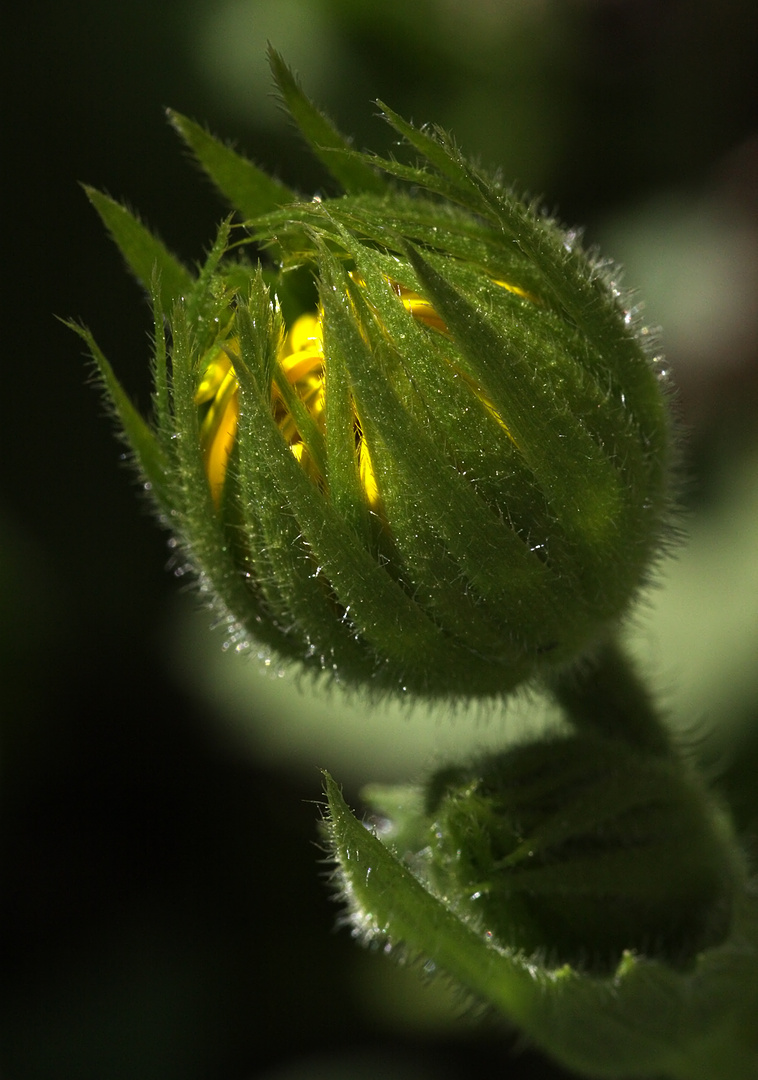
164,912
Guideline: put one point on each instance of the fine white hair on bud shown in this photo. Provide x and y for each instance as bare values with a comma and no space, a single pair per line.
421,445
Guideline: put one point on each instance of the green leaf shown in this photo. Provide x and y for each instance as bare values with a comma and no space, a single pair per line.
333,149
144,252
645,1019
248,188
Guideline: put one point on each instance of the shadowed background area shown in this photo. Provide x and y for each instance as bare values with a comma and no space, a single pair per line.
163,911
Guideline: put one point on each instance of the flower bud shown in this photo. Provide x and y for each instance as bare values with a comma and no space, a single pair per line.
426,448
575,848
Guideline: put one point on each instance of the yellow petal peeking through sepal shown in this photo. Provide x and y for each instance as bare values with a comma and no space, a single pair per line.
301,360
219,425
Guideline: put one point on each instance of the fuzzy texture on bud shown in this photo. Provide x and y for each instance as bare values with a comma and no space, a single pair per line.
425,447
576,848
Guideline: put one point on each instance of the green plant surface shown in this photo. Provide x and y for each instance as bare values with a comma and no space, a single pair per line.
414,439
643,1019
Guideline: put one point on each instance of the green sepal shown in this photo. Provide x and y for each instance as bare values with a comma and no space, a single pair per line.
249,189
306,426
441,152
577,478
202,532
297,603
495,560
208,302
567,277
643,1019
137,432
435,227
373,604
324,586
144,252
352,171
343,470
160,371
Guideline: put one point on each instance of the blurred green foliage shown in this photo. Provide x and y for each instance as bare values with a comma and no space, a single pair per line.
162,914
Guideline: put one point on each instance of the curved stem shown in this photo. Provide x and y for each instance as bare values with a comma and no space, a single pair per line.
605,695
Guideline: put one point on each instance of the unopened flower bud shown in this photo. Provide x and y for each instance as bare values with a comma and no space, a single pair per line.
574,848
446,471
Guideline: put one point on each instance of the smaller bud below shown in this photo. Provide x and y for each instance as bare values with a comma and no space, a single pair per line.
574,849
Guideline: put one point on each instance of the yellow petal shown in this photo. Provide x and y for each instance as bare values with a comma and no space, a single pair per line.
217,367
218,431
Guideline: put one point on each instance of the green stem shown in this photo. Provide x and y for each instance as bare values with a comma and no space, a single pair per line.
605,695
